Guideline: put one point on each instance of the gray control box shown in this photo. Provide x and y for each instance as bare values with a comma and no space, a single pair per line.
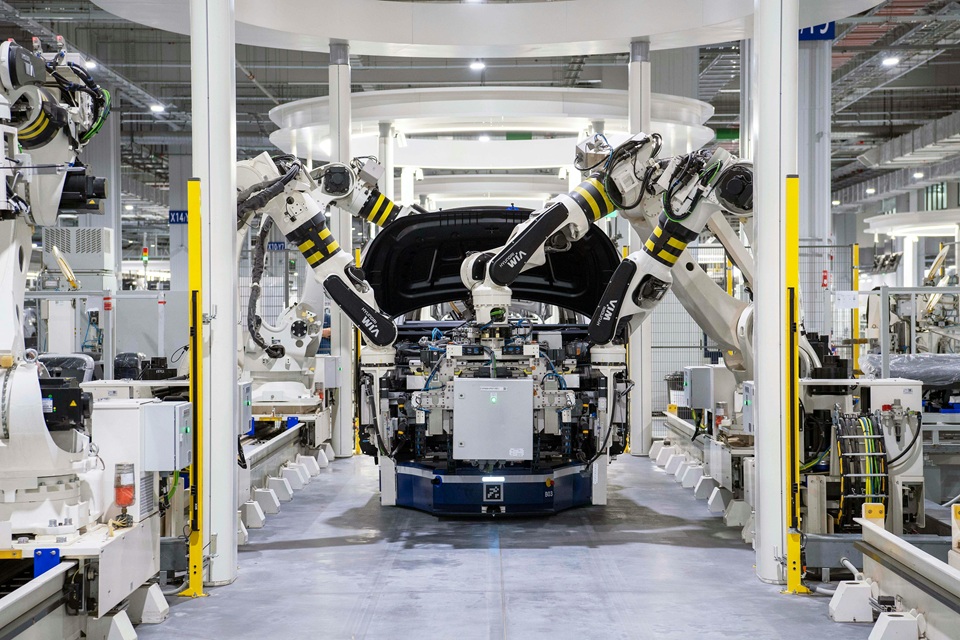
492,419
749,396
697,387
328,371
167,436
244,406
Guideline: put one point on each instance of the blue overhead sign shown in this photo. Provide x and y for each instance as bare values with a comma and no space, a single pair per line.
178,216
276,246
826,31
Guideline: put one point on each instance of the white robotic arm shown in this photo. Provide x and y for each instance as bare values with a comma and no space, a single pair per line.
291,198
692,188
562,221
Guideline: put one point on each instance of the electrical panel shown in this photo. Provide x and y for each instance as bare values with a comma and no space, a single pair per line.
697,381
244,406
167,436
749,396
327,372
492,419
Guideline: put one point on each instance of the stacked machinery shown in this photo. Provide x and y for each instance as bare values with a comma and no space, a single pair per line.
482,418
80,510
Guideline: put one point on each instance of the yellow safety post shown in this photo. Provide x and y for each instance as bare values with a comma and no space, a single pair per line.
855,312
194,587
792,421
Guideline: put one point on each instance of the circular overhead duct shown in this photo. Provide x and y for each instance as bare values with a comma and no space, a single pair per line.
516,29
450,113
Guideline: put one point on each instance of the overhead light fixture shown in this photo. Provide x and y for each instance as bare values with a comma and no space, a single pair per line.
835,203
128,207
918,175
478,65
892,61
870,191
157,108
483,138
90,64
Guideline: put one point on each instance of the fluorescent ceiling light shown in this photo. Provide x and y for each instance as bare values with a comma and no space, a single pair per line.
484,138
918,175
90,64
870,191
478,65
892,61
835,203
128,207
157,108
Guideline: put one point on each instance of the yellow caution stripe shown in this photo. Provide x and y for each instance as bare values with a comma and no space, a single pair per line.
379,209
592,199
315,241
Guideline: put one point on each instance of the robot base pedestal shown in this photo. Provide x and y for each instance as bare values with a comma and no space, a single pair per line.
506,492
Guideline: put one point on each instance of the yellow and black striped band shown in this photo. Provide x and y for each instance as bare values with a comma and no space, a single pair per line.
592,198
315,241
668,241
35,128
379,210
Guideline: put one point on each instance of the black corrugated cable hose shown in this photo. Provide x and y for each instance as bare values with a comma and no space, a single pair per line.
253,320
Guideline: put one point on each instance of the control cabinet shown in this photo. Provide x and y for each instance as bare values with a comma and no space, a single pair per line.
167,436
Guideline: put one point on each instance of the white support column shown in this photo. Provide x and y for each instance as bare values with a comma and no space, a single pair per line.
213,81
815,76
386,158
747,112
640,346
776,28
342,332
909,262
408,176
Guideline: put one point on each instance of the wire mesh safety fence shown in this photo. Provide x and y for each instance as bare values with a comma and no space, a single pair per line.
824,270
277,290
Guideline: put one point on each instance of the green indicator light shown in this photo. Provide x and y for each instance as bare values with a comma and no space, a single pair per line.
493,399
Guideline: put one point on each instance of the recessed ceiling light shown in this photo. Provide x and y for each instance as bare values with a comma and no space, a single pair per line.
157,108
128,207
484,138
870,191
90,64
478,65
918,175
892,61
835,203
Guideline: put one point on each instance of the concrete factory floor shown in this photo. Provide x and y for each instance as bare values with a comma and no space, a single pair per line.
654,563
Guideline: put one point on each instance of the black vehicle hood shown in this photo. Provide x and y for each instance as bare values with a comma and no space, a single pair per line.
415,261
